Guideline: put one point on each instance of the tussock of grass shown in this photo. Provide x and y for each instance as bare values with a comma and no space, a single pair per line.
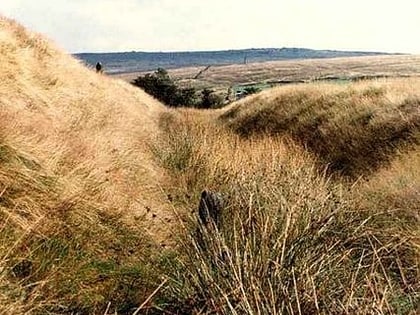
352,129
293,241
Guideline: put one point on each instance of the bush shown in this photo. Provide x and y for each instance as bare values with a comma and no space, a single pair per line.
251,90
186,97
209,99
160,85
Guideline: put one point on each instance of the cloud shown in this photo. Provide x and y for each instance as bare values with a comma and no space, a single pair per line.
163,25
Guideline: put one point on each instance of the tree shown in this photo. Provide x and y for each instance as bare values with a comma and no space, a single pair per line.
160,85
209,99
187,97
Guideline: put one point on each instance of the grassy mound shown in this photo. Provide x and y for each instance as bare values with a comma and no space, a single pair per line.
353,129
293,241
77,183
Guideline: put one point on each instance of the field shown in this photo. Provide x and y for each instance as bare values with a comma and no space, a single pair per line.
124,62
221,78
100,184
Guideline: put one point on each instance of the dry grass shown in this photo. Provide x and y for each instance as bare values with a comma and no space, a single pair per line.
352,129
78,186
222,77
85,162
294,240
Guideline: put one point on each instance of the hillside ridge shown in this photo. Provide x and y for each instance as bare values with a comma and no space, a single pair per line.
77,123
134,61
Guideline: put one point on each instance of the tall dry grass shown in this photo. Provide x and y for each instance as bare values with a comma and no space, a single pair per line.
77,183
294,240
63,256
352,128
85,162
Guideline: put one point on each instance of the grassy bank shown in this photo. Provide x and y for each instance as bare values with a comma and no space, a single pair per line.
100,184
66,255
353,129
76,181
294,239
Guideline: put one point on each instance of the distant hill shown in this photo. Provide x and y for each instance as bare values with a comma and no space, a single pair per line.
125,62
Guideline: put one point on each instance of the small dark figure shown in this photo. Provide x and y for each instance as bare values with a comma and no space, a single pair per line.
210,208
22,269
98,67
208,235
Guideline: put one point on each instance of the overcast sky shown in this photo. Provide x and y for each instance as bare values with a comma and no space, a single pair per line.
176,25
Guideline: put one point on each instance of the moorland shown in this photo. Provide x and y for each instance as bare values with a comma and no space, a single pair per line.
100,186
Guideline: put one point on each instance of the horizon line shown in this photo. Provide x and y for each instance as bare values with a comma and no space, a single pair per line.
237,49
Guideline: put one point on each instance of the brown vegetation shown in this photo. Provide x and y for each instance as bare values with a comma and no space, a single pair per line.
352,129
294,241
78,186
222,77
92,169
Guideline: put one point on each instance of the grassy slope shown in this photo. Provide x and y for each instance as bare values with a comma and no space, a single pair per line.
296,240
80,188
354,129
77,184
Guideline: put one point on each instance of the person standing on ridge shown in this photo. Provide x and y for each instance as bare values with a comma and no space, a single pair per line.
98,67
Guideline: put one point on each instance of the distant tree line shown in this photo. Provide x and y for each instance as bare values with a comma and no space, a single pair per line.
160,85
